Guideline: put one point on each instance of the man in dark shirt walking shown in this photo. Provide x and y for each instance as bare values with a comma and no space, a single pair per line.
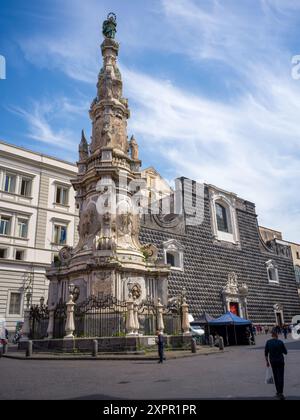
274,352
160,344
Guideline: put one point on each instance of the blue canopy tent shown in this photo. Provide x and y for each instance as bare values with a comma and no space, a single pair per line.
205,318
230,320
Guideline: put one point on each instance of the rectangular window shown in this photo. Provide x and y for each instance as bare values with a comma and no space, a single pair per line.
15,304
273,275
20,255
22,228
25,190
3,253
298,255
171,259
60,235
62,196
10,183
5,224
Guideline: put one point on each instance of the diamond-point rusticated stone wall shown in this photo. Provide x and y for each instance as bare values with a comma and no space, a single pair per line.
208,262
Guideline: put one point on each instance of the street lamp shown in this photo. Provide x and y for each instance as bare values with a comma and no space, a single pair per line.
28,298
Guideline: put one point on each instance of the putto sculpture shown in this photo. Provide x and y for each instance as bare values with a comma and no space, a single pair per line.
110,26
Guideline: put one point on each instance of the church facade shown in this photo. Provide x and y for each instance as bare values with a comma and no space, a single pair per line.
223,262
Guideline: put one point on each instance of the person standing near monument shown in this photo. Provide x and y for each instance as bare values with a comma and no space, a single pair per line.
274,353
160,345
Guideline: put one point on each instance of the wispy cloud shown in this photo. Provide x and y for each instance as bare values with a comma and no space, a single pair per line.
42,118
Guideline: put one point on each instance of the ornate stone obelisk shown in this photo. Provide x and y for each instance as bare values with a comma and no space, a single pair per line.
109,259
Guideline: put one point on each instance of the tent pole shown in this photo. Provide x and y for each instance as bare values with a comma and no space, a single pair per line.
227,338
235,334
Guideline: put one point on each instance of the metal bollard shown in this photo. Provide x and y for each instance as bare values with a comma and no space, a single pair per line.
95,348
221,345
29,350
5,349
211,341
194,345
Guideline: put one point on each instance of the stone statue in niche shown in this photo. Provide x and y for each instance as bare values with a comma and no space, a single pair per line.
107,134
232,284
101,86
136,230
117,89
125,223
88,225
134,149
96,135
106,237
136,292
108,84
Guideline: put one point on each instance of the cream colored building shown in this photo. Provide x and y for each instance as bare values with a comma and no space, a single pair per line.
38,216
271,235
157,187
296,258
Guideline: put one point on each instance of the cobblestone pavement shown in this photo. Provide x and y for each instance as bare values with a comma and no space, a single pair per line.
238,373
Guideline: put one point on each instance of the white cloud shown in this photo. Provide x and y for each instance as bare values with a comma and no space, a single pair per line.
42,118
249,147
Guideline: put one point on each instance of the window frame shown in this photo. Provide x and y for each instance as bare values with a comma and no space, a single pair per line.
9,224
229,202
173,255
225,217
8,313
29,181
60,226
175,249
18,227
5,253
64,194
23,252
13,176
271,265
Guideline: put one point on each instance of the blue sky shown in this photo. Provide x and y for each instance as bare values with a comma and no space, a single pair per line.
208,81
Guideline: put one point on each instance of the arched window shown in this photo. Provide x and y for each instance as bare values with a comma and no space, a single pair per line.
222,218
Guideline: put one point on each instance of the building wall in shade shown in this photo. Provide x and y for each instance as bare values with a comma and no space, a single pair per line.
208,261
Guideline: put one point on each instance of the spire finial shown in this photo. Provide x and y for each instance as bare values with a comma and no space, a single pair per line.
110,26
83,147
83,139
